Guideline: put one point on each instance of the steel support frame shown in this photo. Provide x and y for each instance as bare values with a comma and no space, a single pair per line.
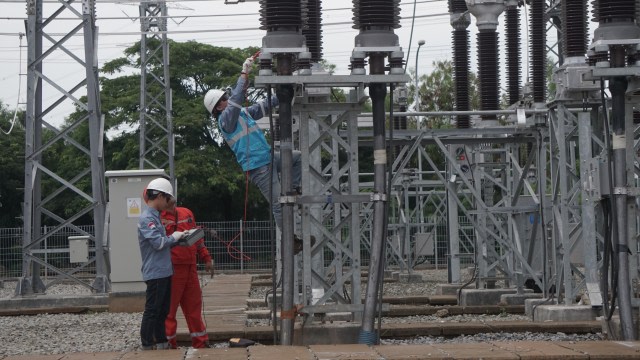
513,257
500,248
333,263
42,84
591,149
157,146
565,196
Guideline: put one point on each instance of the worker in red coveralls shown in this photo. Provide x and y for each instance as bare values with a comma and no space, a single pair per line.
185,287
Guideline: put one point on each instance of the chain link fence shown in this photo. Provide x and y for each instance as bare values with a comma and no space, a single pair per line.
234,245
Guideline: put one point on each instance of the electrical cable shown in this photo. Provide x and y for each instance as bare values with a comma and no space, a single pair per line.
15,113
383,250
475,247
217,30
413,21
541,194
609,207
543,225
473,277
608,255
272,232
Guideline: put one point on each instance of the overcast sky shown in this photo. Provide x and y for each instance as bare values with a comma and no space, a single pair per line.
208,21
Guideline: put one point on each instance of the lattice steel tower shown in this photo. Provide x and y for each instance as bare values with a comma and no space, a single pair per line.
86,183
156,123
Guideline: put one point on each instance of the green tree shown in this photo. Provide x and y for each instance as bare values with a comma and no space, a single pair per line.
12,160
210,182
437,92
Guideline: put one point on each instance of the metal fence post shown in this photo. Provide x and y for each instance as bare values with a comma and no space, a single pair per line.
241,247
46,252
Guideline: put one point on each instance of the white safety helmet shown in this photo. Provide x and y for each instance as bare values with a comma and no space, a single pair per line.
162,185
211,98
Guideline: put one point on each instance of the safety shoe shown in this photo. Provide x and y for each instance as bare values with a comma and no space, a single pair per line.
147,347
163,346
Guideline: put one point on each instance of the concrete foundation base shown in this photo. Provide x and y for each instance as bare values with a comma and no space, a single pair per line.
451,289
544,312
278,300
127,302
42,303
335,333
474,297
530,304
517,299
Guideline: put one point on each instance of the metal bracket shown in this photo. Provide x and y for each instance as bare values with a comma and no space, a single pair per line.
633,191
378,197
619,190
288,199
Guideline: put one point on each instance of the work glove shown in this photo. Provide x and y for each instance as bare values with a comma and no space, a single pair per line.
178,235
209,268
247,66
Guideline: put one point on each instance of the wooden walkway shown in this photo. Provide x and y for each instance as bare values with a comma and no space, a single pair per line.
592,350
224,303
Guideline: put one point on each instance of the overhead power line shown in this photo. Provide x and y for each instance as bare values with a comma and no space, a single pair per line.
225,30
180,16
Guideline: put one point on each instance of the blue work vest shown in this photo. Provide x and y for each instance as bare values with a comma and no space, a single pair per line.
248,143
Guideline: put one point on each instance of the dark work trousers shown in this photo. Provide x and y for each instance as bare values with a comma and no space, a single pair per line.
156,308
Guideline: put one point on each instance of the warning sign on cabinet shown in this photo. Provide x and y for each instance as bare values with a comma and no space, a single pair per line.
134,207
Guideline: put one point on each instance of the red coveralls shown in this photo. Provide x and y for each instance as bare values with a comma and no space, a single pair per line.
185,287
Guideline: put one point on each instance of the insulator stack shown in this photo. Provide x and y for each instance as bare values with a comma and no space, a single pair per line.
575,28
598,57
538,51
303,63
512,24
357,63
376,14
489,74
280,15
614,11
460,36
461,75
266,64
396,63
312,31
457,6
595,4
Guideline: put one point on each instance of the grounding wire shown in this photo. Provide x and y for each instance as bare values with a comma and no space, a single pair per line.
15,113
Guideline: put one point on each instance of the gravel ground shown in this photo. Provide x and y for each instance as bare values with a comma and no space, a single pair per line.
97,332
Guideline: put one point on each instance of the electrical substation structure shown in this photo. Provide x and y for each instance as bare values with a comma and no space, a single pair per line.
540,193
